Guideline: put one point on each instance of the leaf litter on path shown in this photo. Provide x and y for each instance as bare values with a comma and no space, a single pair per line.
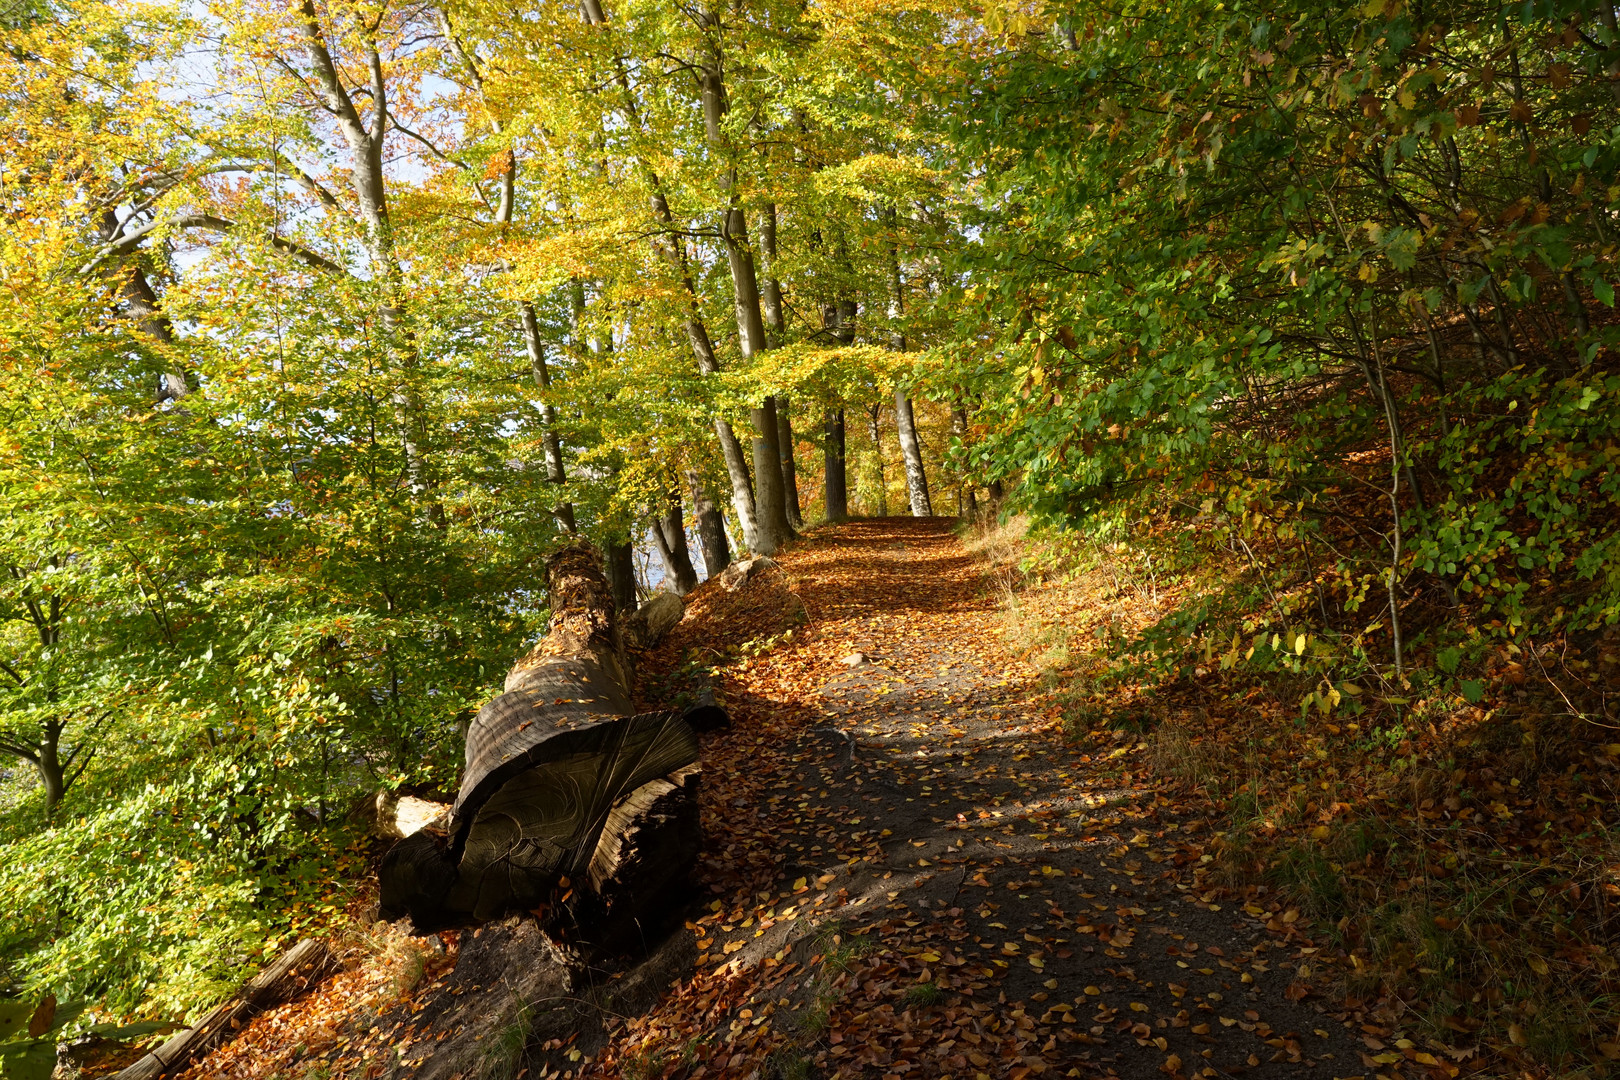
913,873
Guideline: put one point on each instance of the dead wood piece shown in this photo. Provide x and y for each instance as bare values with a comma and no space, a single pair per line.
547,815
289,976
648,624
582,623
546,763
650,842
397,816
741,573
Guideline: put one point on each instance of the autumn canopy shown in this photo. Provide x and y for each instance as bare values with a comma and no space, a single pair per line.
327,322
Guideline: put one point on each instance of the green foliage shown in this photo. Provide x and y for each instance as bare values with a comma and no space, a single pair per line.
1269,268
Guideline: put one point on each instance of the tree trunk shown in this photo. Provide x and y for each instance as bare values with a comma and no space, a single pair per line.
669,531
671,247
770,495
790,469
904,419
697,335
621,574
770,300
838,319
771,527
52,773
911,454
711,528
369,184
968,500
836,479
564,511
142,304
771,291
872,428
551,765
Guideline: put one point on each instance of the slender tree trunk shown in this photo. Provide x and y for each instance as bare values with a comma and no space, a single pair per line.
52,773
968,500
711,528
1373,368
911,454
621,574
838,319
904,418
672,249
771,289
836,479
697,334
669,530
771,527
555,474
874,430
369,184
770,300
790,469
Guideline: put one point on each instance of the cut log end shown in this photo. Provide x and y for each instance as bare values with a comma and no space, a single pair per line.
563,784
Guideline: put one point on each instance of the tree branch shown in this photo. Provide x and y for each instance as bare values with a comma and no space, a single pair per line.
217,224
9,670
434,150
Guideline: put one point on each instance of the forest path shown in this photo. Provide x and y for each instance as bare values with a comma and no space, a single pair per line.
918,817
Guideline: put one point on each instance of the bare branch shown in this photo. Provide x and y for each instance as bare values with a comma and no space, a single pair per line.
212,222
434,150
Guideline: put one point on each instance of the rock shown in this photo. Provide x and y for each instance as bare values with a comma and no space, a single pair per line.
402,815
854,659
741,573
649,623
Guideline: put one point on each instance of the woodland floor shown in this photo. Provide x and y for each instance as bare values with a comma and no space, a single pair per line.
910,871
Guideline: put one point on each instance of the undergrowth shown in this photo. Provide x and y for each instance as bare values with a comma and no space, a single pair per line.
1449,829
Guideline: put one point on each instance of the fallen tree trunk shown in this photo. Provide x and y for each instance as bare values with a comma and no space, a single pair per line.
571,804
300,967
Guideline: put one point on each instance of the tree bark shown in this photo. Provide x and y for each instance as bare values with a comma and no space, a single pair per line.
621,574
711,528
835,485
904,418
564,511
969,500
671,248
911,454
771,526
669,531
770,493
771,291
368,182
876,432
790,469
142,304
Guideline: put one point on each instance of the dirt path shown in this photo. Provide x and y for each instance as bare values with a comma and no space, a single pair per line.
914,874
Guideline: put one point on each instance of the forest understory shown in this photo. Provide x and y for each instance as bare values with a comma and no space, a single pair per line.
951,834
